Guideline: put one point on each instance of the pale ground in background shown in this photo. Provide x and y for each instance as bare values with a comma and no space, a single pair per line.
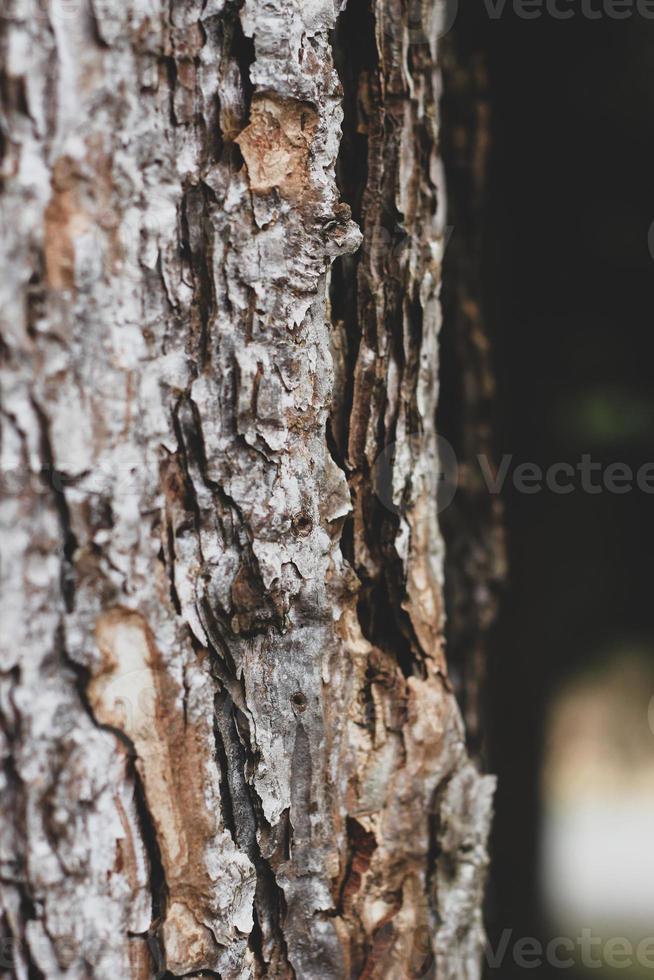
598,786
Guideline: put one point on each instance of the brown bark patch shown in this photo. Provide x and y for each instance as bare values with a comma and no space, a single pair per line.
276,145
64,221
133,693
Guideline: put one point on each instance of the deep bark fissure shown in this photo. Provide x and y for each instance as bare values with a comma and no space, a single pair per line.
245,822
363,159
54,483
197,249
157,878
240,807
355,53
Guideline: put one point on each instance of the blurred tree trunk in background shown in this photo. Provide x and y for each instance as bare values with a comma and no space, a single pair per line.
229,743
472,525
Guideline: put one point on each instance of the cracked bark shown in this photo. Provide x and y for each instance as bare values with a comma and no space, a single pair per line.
229,742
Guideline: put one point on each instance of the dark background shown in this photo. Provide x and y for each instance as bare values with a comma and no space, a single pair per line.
567,289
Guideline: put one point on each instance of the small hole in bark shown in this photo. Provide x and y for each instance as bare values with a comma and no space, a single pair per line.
302,524
299,701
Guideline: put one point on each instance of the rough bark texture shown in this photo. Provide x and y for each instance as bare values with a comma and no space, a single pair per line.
229,743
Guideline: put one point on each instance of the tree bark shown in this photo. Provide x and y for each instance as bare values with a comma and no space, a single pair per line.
229,742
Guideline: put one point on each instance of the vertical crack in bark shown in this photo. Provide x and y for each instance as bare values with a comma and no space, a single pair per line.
356,60
54,482
366,176
197,247
246,824
157,878
240,806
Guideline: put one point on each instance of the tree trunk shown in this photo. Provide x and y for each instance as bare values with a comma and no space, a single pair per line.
229,742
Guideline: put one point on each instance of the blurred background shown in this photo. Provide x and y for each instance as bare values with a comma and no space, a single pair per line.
566,281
